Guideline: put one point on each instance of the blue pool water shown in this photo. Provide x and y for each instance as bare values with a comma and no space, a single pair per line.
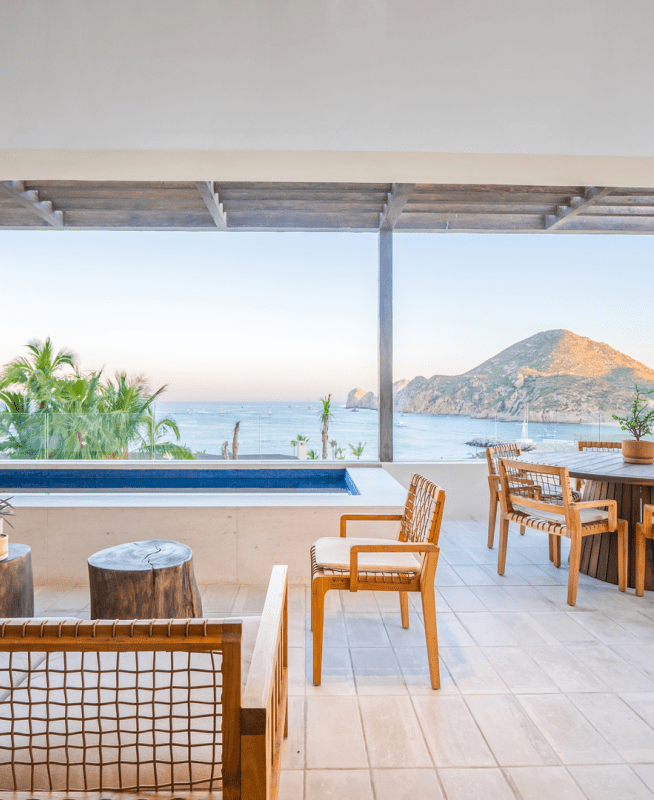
330,481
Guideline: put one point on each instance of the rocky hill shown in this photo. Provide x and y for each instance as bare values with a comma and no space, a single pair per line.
561,376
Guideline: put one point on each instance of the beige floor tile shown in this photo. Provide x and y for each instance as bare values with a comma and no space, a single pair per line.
477,576
511,735
567,672
487,630
558,595
334,734
563,626
388,601
646,773
296,681
537,576
359,602
249,600
611,783
511,577
376,671
543,783
604,628
293,757
613,671
518,670
639,655
338,784
219,598
530,598
496,598
638,624
393,734
337,676
333,632
297,599
366,630
622,728
413,636
462,598
446,576
291,785
296,629
466,784
451,733
406,784
414,664
569,733
642,703
451,632
471,671
526,628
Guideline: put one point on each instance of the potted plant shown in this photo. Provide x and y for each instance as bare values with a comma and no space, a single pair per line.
639,423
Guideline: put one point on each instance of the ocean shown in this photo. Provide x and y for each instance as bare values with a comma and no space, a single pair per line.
269,428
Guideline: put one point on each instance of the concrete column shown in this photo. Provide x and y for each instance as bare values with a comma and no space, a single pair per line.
385,344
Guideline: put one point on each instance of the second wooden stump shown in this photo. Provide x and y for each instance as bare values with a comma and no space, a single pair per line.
153,579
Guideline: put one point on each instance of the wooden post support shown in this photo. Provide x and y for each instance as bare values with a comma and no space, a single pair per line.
385,344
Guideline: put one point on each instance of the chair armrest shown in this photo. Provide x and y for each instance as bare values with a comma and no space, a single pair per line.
648,518
391,547
346,517
611,505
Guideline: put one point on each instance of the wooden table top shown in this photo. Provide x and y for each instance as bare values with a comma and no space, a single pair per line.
607,467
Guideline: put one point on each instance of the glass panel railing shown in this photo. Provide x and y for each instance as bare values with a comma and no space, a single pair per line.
23,436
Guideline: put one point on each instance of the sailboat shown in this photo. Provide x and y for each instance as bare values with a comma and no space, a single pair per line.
525,441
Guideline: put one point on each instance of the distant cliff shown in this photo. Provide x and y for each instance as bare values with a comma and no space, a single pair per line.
561,376
359,398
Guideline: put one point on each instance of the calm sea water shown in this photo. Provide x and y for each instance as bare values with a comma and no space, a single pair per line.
268,428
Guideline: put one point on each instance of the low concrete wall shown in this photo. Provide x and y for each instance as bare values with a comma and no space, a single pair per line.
465,484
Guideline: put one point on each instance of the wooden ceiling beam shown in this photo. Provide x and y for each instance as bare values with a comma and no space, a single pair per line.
396,200
576,206
212,202
31,200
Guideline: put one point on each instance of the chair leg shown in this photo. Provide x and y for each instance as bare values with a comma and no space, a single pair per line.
557,550
431,633
504,537
640,559
623,553
523,529
318,614
575,560
551,538
492,518
404,608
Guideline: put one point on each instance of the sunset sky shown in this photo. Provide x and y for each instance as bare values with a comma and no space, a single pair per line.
261,316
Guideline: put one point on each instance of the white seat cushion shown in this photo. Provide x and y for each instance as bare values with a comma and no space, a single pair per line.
153,731
588,515
334,553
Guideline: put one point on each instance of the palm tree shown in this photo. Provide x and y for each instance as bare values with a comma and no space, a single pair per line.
357,449
325,415
334,445
312,455
235,440
340,454
299,438
39,373
152,432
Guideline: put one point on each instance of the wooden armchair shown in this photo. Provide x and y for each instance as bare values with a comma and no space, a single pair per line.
540,497
644,531
407,565
493,455
595,447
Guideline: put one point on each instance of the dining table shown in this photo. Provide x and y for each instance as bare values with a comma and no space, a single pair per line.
606,476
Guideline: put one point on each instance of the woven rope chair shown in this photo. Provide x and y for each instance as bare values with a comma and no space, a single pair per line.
540,497
493,455
381,565
595,447
644,531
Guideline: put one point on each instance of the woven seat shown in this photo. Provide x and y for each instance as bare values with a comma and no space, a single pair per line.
407,564
539,497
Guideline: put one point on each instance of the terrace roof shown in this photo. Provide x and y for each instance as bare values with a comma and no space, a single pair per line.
249,206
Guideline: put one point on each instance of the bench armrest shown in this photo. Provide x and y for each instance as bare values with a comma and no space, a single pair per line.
353,517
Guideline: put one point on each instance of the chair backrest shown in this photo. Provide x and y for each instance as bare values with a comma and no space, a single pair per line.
596,447
493,455
537,486
423,512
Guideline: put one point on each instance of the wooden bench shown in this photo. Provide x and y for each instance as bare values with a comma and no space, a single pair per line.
146,706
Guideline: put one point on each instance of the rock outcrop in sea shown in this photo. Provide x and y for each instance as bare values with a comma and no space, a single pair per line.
561,376
359,398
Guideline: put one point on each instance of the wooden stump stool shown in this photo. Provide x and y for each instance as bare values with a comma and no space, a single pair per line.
144,580
17,583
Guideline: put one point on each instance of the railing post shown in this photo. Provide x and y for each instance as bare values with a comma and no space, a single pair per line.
385,344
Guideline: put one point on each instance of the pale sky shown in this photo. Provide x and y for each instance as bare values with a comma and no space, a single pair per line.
273,316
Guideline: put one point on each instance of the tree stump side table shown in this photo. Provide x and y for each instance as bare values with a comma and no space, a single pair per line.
17,582
153,579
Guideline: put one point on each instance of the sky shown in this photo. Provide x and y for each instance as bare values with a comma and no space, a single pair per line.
276,316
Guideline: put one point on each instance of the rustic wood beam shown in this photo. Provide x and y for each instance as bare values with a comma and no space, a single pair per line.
396,200
212,202
31,201
577,205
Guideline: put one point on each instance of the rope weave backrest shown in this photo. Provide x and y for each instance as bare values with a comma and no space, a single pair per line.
423,512
119,706
597,447
535,485
493,455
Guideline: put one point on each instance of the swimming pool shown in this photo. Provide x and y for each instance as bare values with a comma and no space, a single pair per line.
147,480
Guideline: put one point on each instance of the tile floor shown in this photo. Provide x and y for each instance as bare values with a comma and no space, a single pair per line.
538,700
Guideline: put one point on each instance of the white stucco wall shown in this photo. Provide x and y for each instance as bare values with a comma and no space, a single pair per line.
332,90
